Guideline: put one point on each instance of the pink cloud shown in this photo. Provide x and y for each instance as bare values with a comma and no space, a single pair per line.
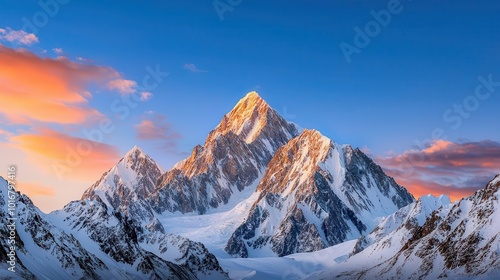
58,50
145,95
18,36
456,169
122,86
191,67
154,127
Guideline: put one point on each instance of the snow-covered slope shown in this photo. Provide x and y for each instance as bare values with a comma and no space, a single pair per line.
126,241
213,230
46,250
125,187
403,220
459,240
314,194
292,267
233,158
110,233
7,259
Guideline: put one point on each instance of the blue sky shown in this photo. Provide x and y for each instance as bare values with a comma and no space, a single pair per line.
395,91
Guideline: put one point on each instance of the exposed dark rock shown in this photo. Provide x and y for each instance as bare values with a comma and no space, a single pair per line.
301,189
234,155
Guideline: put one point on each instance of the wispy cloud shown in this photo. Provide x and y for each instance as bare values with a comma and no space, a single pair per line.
83,59
17,36
126,87
58,51
33,189
5,134
146,95
456,169
155,127
122,86
191,67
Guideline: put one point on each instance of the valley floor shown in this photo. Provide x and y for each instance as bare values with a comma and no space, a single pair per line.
214,229
295,266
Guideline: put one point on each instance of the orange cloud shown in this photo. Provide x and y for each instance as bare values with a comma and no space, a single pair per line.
65,156
436,146
455,169
419,187
34,189
47,90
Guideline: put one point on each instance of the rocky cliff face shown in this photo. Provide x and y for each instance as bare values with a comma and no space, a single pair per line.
7,259
111,232
431,239
315,194
100,247
462,241
126,241
234,156
126,186
405,220
185,253
114,216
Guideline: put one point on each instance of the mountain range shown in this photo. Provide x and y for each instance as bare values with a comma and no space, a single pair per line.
259,190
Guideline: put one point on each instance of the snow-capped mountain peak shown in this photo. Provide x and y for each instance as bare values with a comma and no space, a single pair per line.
315,193
234,156
250,118
298,159
493,186
132,178
135,152
249,103
431,239
247,118
136,158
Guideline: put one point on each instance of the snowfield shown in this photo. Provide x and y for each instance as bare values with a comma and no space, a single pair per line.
295,266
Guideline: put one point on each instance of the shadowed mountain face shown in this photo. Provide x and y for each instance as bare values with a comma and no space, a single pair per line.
461,240
430,239
125,187
86,241
315,194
